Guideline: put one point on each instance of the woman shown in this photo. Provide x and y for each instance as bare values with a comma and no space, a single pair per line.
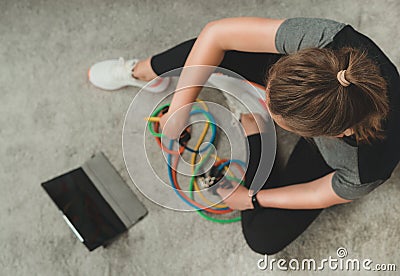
324,81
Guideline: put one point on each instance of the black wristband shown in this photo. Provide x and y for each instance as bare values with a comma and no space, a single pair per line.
255,202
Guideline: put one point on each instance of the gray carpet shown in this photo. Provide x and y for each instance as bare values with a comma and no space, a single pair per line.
52,120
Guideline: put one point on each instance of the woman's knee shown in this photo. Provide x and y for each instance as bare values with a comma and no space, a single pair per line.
266,250
259,238
263,245
252,123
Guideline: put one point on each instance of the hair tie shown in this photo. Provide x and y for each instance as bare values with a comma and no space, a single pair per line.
342,80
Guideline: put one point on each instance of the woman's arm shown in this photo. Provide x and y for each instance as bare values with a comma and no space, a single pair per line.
311,195
250,34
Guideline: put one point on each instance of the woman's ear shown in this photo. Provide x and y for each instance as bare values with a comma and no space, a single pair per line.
348,132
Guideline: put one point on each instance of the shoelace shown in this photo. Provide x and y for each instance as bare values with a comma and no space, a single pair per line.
122,70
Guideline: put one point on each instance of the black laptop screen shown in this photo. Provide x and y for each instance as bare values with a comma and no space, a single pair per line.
85,208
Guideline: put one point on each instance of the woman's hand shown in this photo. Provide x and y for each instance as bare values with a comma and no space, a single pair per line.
164,130
236,198
172,125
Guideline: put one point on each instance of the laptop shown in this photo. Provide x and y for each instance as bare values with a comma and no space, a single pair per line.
95,202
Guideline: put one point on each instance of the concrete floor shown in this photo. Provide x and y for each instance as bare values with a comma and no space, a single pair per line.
52,120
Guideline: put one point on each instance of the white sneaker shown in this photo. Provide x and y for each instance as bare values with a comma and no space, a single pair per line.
114,74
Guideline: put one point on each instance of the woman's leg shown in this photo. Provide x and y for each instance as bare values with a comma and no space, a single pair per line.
252,66
269,230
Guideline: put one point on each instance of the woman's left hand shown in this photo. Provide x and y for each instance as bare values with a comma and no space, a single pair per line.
236,198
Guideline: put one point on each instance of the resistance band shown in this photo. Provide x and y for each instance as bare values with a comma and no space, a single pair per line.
173,159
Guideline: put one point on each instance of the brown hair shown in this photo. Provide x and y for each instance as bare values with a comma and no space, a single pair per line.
304,90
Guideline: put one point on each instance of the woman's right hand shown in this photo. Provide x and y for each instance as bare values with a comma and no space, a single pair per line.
173,124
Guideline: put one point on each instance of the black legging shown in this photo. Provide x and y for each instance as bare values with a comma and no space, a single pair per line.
269,230
266,230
